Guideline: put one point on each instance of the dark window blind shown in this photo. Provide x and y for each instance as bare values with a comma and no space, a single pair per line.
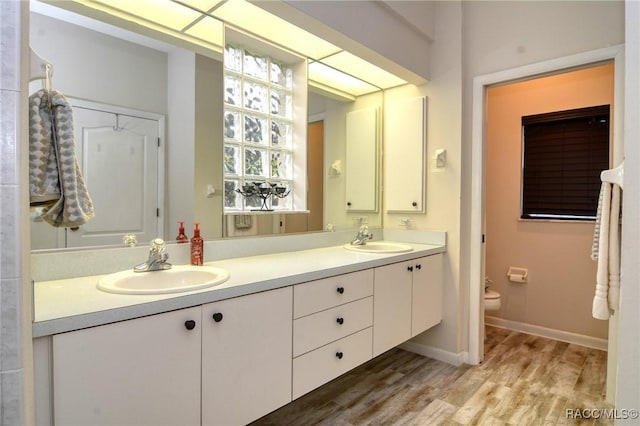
564,153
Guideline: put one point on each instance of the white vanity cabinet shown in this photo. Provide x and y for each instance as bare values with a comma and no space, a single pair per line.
246,357
332,331
233,361
144,371
227,362
408,301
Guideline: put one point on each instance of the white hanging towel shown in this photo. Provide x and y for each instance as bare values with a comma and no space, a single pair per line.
607,242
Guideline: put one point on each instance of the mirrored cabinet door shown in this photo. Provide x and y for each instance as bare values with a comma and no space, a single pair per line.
404,155
362,160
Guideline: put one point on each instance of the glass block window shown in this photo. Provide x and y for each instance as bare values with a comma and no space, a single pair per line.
258,127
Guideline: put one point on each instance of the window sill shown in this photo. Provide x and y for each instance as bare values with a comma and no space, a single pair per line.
264,212
587,221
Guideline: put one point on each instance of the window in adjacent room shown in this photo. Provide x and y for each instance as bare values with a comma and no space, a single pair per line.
563,155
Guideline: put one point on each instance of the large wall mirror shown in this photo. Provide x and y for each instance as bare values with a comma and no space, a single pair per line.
142,89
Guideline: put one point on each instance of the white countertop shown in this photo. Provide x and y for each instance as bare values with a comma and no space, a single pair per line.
69,304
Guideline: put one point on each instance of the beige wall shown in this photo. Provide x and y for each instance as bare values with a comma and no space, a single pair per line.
561,283
444,114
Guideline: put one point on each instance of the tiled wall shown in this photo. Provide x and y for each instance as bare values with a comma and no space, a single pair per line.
11,363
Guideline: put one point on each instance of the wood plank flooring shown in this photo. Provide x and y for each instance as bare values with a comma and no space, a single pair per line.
524,380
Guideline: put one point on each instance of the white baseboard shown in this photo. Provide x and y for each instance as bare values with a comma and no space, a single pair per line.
452,358
563,336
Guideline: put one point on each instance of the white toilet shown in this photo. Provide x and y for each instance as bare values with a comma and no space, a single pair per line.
491,300
491,303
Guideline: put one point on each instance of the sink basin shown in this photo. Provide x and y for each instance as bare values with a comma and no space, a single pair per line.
380,247
177,279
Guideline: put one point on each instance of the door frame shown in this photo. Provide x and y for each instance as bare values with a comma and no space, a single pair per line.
113,109
477,181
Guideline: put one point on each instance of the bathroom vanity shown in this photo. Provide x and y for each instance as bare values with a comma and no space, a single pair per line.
231,353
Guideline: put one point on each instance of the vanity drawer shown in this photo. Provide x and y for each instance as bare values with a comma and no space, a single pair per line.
318,329
319,295
328,362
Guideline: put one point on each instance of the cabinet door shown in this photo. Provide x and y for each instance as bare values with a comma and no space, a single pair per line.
391,306
426,308
361,179
246,357
404,155
144,371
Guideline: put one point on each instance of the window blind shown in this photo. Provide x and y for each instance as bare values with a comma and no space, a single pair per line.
564,153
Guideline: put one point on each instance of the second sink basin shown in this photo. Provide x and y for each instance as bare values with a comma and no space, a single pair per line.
380,247
177,279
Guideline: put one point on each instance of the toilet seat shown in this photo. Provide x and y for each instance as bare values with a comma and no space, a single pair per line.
491,295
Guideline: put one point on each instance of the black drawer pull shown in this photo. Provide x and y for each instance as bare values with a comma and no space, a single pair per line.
410,268
339,355
340,320
217,317
340,290
190,324
418,266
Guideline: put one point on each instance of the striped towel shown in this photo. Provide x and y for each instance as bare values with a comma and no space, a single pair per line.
596,230
55,179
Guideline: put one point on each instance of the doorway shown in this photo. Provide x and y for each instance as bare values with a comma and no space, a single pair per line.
312,221
554,248
477,180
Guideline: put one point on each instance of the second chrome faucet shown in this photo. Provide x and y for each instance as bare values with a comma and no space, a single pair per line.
362,237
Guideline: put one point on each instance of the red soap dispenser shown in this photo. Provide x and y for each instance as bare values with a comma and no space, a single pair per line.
182,237
197,246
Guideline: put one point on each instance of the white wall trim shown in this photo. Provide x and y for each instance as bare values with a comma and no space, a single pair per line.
550,333
452,358
476,225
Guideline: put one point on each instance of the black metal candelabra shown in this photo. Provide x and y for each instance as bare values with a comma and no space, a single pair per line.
263,191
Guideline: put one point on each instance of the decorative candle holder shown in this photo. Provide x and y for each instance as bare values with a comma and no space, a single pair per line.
263,191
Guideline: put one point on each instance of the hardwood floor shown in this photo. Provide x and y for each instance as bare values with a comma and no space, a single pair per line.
524,380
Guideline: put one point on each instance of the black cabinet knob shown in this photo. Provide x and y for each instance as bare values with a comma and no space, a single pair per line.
414,204
340,290
349,203
339,355
217,317
340,320
410,268
418,266
190,324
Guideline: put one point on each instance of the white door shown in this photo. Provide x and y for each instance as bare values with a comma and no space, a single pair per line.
118,155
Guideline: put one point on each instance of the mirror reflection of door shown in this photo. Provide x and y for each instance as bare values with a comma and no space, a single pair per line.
118,155
312,221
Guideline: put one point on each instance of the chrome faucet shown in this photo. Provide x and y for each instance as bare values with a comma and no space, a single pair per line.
157,260
362,237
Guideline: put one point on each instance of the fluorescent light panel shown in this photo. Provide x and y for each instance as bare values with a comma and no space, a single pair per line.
251,18
176,15
202,5
164,12
341,81
354,65
208,29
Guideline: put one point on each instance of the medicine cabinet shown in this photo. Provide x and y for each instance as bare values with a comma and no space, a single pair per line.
404,155
363,134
